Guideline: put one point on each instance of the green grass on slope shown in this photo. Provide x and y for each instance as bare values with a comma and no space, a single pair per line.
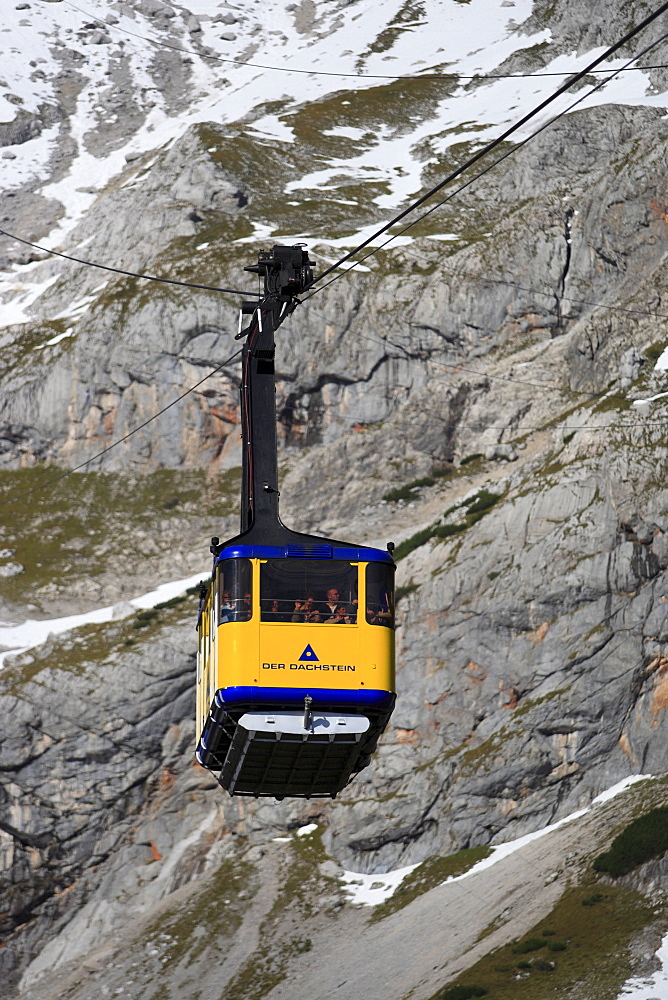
409,490
581,949
463,992
83,649
430,873
477,506
655,350
643,839
215,912
83,524
19,355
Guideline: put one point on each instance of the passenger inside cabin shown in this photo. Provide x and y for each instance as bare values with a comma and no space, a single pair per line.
234,591
379,614
244,608
306,610
341,616
328,607
336,612
227,608
275,611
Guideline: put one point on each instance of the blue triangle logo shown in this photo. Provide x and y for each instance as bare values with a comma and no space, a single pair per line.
309,654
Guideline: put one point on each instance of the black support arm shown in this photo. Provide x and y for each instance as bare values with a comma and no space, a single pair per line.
287,273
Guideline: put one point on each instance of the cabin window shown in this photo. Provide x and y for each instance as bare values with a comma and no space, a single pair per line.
235,590
308,591
380,594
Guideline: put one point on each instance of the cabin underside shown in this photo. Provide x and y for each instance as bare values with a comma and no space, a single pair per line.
278,751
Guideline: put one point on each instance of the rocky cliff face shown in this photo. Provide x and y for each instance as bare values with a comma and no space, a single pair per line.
505,357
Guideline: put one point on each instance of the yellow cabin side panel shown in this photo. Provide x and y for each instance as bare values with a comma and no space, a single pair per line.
204,666
236,652
379,656
271,654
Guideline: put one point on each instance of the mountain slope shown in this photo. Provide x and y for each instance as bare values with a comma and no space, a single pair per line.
502,365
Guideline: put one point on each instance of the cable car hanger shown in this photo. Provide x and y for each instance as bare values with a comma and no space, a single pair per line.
296,631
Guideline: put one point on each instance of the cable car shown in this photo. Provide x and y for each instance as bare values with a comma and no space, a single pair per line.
295,664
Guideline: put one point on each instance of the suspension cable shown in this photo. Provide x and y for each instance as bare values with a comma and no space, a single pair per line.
501,138
510,152
114,444
130,274
215,57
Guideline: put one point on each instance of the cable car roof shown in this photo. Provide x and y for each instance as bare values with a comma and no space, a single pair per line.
325,550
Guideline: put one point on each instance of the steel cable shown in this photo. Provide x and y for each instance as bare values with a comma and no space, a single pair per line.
496,142
130,274
215,57
114,444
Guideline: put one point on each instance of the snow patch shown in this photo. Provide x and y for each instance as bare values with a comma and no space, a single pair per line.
78,308
653,987
33,632
621,786
274,128
649,399
55,340
347,132
303,831
22,295
370,890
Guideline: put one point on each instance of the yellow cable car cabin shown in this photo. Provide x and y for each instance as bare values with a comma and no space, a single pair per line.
294,690
295,666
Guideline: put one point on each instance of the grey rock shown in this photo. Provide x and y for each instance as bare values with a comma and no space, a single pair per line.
112,743
123,610
155,8
97,37
26,126
11,569
501,452
330,869
630,365
305,14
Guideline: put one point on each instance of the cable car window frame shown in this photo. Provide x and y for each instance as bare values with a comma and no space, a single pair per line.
239,573
384,583
275,577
